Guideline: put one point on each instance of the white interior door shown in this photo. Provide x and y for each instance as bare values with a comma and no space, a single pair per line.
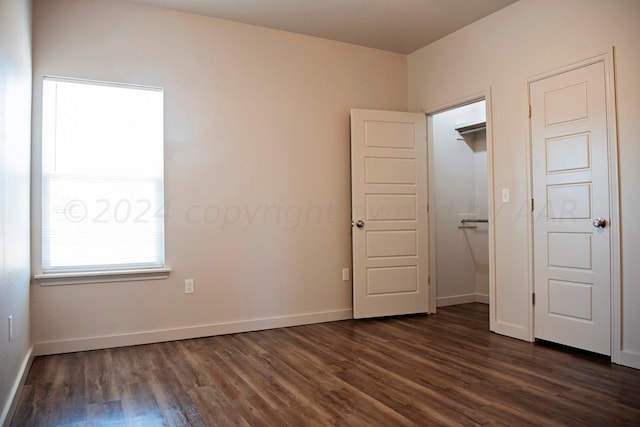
389,213
571,193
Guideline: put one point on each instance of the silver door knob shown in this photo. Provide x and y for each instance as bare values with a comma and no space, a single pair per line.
599,222
360,224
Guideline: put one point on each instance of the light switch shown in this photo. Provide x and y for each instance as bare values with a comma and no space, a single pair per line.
505,195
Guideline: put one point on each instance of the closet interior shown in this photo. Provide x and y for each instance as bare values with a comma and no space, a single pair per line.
459,190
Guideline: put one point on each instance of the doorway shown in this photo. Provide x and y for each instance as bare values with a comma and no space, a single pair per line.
460,204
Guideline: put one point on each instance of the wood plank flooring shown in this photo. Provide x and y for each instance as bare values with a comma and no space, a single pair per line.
444,369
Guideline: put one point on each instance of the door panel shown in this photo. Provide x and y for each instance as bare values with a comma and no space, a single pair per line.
568,153
391,207
570,250
389,197
392,280
390,135
389,170
570,299
571,188
391,243
566,104
569,201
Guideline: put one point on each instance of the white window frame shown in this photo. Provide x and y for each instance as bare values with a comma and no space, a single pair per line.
107,273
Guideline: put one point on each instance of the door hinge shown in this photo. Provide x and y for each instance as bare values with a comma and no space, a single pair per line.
427,207
429,280
533,298
533,205
529,110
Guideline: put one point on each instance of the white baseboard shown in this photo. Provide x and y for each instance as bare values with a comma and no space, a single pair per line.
148,337
483,298
627,358
12,400
462,299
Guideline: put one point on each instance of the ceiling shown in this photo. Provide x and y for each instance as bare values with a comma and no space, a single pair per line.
401,26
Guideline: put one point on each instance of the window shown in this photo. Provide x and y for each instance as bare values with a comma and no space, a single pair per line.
102,177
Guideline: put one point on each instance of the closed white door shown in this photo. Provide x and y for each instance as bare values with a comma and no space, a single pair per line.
389,213
571,215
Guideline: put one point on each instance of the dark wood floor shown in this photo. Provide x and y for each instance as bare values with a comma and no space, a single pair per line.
445,369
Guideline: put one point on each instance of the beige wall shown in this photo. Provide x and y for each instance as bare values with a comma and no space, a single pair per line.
501,51
257,132
15,110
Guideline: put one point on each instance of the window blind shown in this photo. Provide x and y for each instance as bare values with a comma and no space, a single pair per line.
102,176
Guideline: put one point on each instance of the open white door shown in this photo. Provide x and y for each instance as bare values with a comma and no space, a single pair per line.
389,213
571,217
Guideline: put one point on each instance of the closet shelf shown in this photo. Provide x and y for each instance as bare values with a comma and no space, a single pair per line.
475,127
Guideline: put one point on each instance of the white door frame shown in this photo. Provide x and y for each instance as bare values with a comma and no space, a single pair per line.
614,203
486,96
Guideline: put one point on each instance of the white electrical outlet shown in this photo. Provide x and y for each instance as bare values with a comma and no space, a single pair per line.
189,286
10,327
345,274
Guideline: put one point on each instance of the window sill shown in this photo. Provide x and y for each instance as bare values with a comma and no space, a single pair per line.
84,277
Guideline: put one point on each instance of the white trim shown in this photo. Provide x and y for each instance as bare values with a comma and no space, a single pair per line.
14,394
148,337
459,102
602,57
102,83
107,276
618,354
433,304
462,299
530,335
491,206
478,96
483,298
627,358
